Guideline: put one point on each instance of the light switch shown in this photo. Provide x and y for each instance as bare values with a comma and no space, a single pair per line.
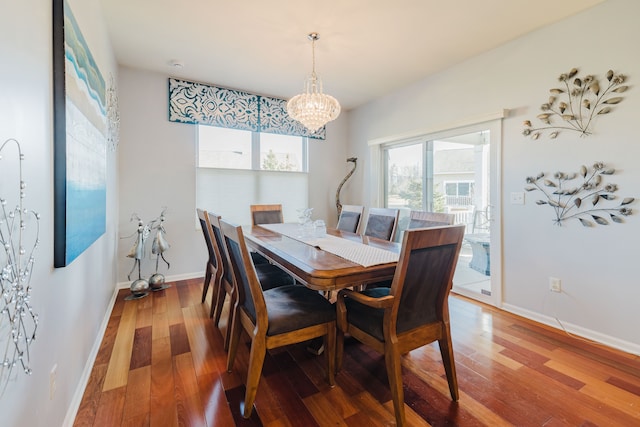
517,198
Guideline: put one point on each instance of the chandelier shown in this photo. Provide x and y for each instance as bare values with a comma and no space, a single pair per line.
313,108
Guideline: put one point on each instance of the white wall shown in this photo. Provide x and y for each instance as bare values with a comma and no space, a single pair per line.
597,265
157,168
71,302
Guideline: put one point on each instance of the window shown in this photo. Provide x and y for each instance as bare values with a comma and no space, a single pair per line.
237,168
404,177
459,188
226,148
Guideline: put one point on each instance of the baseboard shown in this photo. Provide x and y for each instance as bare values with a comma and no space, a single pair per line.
173,278
86,373
576,330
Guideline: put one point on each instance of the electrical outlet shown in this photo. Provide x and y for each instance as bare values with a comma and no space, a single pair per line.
555,284
53,376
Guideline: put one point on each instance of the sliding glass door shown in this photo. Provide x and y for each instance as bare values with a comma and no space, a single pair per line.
455,173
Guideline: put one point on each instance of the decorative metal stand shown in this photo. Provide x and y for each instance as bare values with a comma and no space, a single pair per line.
140,287
353,160
158,248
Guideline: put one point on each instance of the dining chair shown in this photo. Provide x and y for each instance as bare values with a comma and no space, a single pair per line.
266,214
350,217
213,269
413,312
422,219
272,318
269,276
382,223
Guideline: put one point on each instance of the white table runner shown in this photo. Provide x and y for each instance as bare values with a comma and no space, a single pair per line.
358,253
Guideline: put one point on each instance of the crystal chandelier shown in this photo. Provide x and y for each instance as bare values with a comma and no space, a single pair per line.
313,108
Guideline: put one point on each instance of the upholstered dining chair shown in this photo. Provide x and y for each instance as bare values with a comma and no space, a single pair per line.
213,269
266,214
350,217
382,223
422,219
412,313
272,318
269,276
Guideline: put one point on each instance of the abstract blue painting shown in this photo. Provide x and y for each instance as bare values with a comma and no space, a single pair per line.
79,140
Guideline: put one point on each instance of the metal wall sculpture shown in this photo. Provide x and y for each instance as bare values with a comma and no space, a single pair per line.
583,200
353,160
576,103
19,237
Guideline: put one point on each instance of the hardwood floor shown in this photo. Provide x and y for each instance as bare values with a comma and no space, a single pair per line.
161,363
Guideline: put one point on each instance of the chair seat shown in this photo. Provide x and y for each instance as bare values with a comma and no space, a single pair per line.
291,308
272,276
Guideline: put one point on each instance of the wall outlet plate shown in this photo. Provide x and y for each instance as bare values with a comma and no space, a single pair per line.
555,284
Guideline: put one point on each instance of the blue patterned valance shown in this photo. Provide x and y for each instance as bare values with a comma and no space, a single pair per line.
199,103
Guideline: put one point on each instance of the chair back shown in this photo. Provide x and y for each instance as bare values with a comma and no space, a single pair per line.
246,284
266,214
206,232
422,219
424,276
350,217
217,238
382,223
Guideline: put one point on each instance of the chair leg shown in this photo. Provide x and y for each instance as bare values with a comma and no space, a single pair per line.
394,372
216,306
256,360
446,350
215,296
207,280
341,328
234,329
330,353
227,335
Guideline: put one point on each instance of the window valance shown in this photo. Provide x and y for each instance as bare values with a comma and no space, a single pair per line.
199,103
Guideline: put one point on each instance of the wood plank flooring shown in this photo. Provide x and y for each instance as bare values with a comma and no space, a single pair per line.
161,363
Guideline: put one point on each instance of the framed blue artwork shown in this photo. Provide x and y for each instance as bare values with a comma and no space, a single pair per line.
80,129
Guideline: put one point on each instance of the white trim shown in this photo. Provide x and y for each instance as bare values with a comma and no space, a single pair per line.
579,331
501,114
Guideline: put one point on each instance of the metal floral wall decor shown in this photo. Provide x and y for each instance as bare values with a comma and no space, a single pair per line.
583,200
19,237
576,103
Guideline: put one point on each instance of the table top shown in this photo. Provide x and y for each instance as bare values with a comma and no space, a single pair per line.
316,268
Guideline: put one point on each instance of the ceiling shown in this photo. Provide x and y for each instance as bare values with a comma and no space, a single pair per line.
367,48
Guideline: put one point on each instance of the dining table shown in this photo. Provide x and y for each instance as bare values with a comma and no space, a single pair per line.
328,261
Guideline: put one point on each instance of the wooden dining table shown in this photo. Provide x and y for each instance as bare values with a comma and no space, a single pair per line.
316,268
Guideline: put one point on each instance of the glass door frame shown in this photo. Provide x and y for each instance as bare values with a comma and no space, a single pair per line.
493,123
